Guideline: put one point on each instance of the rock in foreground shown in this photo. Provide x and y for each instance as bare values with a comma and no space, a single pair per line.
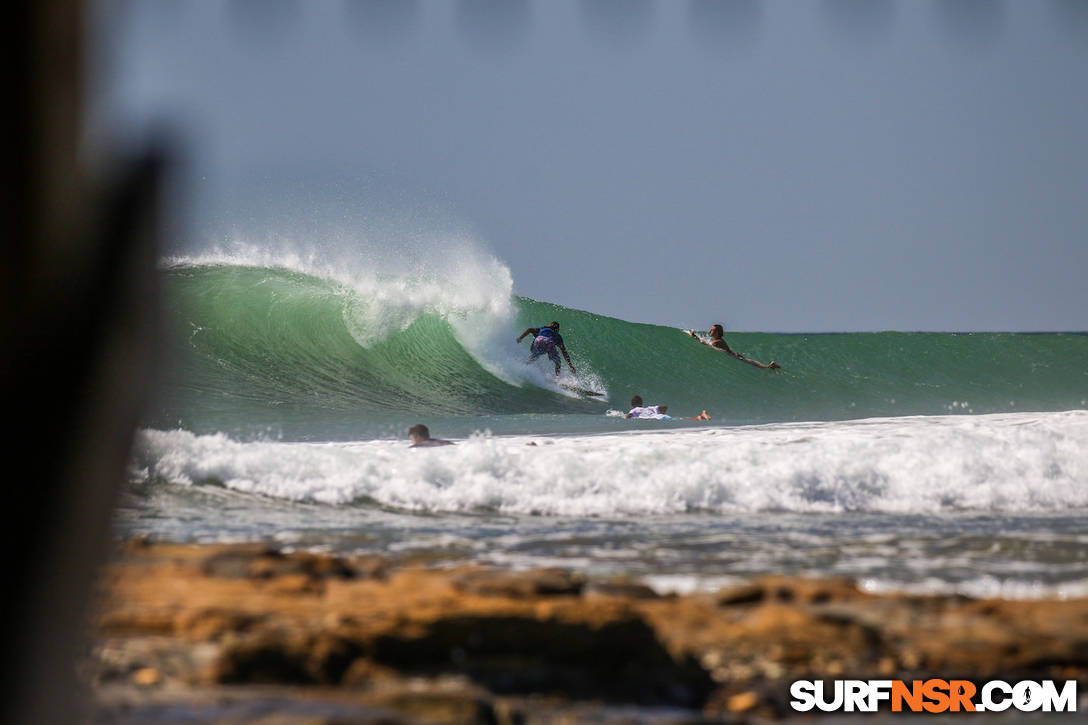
231,634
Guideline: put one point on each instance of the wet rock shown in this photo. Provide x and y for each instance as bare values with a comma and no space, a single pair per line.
268,656
520,585
459,707
618,660
742,702
213,622
237,617
238,562
746,594
147,676
264,562
276,655
789,590
619,588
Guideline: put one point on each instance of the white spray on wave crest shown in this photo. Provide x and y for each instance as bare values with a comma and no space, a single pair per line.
386,286
1005,463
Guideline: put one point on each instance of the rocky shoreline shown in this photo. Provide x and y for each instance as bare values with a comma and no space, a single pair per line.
252,634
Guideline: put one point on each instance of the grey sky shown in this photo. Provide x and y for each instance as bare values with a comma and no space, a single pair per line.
780,165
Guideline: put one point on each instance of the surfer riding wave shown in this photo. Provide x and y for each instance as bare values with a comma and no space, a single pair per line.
545,342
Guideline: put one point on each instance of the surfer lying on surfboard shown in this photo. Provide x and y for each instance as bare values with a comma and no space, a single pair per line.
717,340
545,341
656,412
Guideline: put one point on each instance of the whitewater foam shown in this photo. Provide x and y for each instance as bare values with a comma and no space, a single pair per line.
993,463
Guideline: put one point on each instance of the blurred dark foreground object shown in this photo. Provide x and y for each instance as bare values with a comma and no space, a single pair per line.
79,340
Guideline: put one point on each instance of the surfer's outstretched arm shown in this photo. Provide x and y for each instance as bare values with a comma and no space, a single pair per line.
534,331
772,365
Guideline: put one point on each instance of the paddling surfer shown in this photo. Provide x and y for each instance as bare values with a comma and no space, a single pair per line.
545,342
656,412
420,436
717,340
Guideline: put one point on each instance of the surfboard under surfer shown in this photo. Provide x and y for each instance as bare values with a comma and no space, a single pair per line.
656,412
717,340
546,340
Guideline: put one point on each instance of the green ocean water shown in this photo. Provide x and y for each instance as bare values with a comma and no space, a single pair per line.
926,461
267,350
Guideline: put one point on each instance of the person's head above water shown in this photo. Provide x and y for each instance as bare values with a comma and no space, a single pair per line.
717,331
636,401
553,325
421,437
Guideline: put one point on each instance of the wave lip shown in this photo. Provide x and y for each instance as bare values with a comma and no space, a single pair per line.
379,296
922,465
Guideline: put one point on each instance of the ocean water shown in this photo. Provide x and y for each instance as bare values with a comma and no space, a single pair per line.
910,461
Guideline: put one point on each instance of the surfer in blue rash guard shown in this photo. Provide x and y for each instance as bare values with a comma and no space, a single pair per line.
545,341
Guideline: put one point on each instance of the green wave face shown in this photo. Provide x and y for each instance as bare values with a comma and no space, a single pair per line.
255,348
830,376
257,339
